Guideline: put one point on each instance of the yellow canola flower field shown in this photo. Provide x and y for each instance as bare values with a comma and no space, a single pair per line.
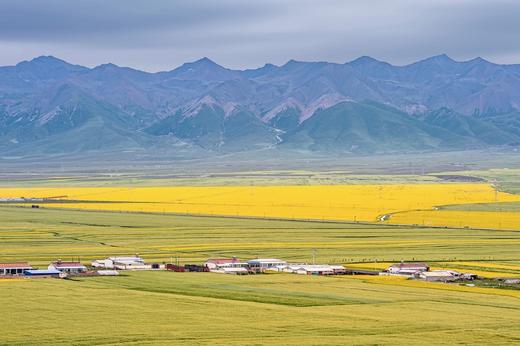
335,202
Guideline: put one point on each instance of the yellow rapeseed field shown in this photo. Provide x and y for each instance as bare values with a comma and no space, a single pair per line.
412,203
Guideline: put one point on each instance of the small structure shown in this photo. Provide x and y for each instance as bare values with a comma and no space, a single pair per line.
227,266
315,270
175,268
408,268
122,263
15,268
67,267
215,263
439,275
195,268
263,264
42,273
338,270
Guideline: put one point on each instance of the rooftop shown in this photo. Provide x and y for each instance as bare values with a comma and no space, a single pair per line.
15,265
41,272
266,260
223,260
126,258
409,265
60,264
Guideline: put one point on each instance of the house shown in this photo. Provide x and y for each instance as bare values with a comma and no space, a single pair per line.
408,268
227,266
42,273
122,263
262,264
439,275
15,268
67,267
215,263
338,270
315,270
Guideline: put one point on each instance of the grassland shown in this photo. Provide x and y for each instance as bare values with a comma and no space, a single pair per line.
41,235
162,308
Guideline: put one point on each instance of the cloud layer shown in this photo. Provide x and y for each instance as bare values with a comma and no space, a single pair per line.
161,34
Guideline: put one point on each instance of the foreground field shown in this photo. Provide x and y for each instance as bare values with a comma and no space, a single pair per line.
163,308
403,203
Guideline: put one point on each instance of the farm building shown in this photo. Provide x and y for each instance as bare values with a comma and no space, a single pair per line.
439,275
262,264
122,263
42,273
314,269
16,268
67,267
408,268
215,263
186,268
227,266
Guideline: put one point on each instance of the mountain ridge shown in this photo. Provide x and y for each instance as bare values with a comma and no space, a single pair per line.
361,106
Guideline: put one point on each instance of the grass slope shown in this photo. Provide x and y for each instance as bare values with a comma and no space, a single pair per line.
168,308
41,235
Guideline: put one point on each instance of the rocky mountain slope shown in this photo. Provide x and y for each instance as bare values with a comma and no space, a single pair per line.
364,106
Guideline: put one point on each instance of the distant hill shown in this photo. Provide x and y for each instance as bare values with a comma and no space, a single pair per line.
49,106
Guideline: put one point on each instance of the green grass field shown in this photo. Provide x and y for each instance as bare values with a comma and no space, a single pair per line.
501,206
42,235
164,308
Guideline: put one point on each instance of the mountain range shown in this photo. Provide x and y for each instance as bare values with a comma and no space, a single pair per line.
49,106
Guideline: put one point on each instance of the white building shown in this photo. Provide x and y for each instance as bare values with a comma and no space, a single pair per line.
67,267
122,263
439,275
262,264
227,266
408,268
315,269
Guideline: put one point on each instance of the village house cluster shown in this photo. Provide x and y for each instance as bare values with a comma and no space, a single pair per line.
259,265
422,271
112,266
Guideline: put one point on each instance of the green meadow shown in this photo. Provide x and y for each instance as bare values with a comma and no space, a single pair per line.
166,308
42,235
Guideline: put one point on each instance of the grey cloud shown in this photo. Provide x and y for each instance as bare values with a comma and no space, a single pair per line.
160,34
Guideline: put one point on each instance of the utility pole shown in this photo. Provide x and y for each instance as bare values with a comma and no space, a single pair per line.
313,256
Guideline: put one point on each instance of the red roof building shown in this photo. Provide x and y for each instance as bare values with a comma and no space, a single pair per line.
15,268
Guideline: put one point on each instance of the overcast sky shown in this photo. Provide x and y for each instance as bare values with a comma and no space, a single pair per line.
162,34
